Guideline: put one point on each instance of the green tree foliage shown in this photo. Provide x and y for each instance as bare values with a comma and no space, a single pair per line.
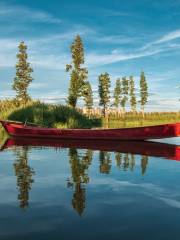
104,91
117,93
78,74
88,95
125,91
143,91
132,94
23,75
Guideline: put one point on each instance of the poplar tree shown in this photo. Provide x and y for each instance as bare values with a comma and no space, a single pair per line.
88,95
104,91
117,93
125,90
78,74
132,94
23,75
143,92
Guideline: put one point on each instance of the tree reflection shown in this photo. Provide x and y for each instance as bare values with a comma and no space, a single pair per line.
118,158
105,162
132,162
127,161
79,177
144,163
24,174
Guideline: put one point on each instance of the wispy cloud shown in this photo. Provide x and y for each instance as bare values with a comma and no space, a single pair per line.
49,61
41,58
23,13
113,39
116,56
168,37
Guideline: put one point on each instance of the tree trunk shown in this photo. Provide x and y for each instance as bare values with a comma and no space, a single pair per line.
142,110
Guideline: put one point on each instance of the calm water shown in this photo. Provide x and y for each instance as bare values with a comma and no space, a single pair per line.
72,193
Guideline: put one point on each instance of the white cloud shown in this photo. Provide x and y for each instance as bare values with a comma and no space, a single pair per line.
49,61
115,56
113,39
35,85
54,61
24,14
169,37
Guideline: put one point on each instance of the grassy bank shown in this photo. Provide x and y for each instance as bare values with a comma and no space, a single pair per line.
49,115
61,116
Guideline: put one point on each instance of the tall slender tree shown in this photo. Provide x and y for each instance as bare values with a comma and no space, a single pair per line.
23,75
117,93
88,95
132,94
104,91
143,92
78,74
125,90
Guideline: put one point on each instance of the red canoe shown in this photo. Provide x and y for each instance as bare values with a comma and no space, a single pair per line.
147,148
18,129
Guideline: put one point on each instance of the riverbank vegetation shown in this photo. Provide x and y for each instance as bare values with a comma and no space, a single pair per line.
49,115
52,115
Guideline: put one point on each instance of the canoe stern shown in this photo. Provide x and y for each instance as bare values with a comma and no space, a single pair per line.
178,130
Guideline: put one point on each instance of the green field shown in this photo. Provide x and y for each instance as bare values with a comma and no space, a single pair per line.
136,119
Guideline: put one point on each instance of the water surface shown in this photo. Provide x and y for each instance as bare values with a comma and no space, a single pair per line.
55,192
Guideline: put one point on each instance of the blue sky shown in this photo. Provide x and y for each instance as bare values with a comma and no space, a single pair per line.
120,37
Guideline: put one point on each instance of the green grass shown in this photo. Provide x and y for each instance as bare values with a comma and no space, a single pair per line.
61,116
136,119
49,115
6,107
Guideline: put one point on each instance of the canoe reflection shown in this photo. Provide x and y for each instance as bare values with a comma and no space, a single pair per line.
146,148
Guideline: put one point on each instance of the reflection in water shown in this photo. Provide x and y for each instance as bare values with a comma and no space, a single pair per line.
80,163
24,175
127,161
113,190
105,162
118,157
132,162
79,177
144,163
80,158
